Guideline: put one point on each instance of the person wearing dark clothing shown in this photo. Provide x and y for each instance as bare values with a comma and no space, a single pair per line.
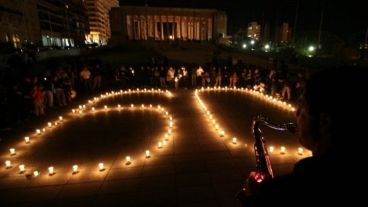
330,126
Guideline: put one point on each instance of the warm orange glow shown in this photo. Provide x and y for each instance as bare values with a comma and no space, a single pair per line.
300,151
36,173
49,124
38,131
272,149
60,118
26,139
234,140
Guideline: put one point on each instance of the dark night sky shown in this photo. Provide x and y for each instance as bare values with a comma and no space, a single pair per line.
347,19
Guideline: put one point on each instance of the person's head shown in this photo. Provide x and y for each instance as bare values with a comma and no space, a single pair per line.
327,116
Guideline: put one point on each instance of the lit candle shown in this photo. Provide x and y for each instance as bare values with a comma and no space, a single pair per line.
127,158
51,170
142,105
222,133
75,169
26,139
49,124
159,145
169,131
22,168
38,131
60,118
150,105
217,126
164,143
36,173
119,106
282,150
166,136
80,107
8,164
171,124
272,149
73,110
105,107
101,166
43,129
93,109
84,106
55,123
148,154
12,151
80,112
132,105
171,118
234,140
300,151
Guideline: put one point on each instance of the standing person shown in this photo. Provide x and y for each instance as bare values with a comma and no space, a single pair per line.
37,96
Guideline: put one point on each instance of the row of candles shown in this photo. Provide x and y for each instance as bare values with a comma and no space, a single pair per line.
220,130
113,94
255,93
90,105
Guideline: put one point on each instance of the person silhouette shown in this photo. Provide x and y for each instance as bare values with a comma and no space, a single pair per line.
330,118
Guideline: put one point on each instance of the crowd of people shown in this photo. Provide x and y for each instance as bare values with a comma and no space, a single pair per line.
56,87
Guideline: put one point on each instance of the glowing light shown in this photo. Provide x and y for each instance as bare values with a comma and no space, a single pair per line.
142,105
128,160
12,151
36,173
171,124
132,105
22,168
119,106
169,131
282,150
38,131
300,151
150,105
51,170
26,139
75,169
80,112
159,145
73,111
164,143
222,133
60,118
93,109
8,164
49,124
170,118
166,136
101,166
148,154
234,140
80,107
272,149
105,107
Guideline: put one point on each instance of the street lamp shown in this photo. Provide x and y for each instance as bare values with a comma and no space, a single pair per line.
244,46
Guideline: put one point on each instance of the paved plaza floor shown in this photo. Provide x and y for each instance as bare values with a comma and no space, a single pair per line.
193,166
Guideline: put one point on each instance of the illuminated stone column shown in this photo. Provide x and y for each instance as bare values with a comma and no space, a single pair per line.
162,28
154,26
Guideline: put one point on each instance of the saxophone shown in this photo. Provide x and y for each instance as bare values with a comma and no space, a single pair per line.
263,163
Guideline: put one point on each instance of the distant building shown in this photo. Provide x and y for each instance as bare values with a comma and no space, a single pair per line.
158,23
284,34
99,21
254,30
63,23
19,22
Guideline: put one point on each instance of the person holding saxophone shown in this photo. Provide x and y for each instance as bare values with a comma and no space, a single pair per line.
329,123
